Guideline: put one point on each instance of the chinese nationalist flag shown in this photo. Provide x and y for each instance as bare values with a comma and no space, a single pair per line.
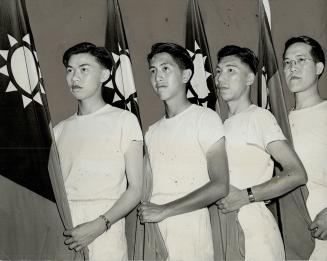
292,213
33,205
201,89
120,91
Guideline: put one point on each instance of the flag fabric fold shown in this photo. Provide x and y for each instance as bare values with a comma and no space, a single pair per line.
292,214
201,90
30,194
120,91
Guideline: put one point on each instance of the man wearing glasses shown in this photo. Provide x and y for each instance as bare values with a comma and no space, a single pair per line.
303,65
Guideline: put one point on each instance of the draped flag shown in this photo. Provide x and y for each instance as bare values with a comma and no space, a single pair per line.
201,89
120,91
293,215
31,225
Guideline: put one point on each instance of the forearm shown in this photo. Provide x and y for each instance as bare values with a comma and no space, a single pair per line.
128,200
197,199
279,185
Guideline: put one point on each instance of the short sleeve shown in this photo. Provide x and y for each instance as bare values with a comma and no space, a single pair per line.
131,130
210,129
267,127
57,130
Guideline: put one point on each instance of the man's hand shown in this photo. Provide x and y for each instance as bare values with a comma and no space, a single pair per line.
84,234
151,213
319,226
234,200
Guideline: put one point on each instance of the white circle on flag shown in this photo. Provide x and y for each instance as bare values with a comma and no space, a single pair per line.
24,69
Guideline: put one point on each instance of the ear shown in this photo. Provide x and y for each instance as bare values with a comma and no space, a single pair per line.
250,79
319,68
187,73
105,74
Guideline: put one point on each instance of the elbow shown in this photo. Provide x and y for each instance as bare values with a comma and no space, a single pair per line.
301,178
221,189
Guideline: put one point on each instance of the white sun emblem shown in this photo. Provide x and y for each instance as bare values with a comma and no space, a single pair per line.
199,79
123,77
23,70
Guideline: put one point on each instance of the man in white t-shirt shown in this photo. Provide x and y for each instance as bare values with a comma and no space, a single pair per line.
187,157
100,150
303,64
253,138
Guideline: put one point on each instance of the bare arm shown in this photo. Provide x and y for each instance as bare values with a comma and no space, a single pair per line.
84,234
216,188
292,176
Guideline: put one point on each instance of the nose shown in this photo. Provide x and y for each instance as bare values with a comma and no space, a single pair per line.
293,66
218,79
158,76
75,78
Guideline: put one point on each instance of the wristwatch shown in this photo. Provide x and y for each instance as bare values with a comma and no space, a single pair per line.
106,221
250,195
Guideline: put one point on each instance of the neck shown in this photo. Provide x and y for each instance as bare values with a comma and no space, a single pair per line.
235,107
174,107
89,106
307,98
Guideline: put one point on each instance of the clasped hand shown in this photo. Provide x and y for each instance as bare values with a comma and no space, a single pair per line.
319,226
84,234
233,201
150,213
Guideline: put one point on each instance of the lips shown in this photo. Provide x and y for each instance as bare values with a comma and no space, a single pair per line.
76,87
294,77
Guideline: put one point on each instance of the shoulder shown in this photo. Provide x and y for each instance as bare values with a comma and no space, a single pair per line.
260,114
60,126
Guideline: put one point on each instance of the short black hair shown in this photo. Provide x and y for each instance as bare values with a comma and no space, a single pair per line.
316,51
246,55
100,53
179,54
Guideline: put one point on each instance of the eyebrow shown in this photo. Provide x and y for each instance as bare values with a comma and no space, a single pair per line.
81,65
227,65
162,64
296,56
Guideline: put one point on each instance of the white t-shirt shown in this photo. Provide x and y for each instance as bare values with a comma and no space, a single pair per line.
91,149
309,132
255,127
177,149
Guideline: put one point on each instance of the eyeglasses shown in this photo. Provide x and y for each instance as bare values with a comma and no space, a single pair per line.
300,61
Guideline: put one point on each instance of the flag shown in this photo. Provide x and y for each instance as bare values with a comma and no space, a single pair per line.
31,225
201,89
293,216
120,91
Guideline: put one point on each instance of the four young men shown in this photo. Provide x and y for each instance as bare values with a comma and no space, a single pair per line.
187,154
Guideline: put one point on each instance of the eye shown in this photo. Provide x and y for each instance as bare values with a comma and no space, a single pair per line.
69,70
218,71
152,71
84,69
286,62
230,70
301,60
165,68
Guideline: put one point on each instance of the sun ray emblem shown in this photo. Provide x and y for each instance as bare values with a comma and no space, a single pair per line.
122,78
23,70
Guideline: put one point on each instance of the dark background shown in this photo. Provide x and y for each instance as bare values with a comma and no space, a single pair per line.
59,24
